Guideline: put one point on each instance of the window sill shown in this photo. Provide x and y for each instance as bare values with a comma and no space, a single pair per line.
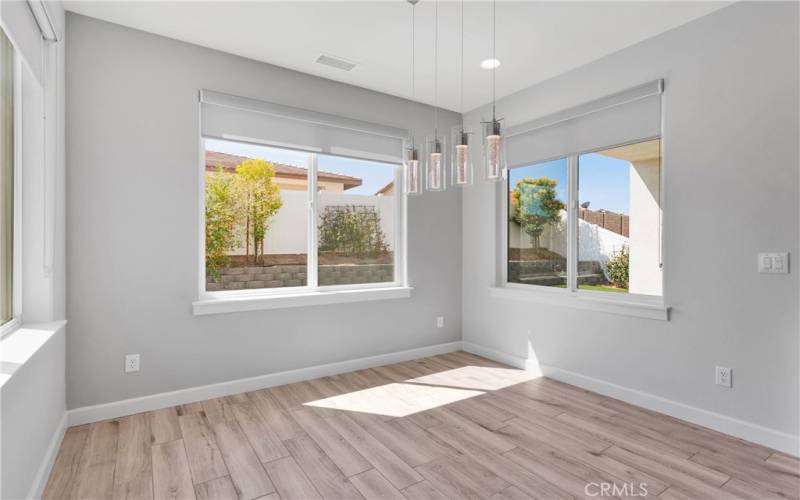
638,308
222,305
22,344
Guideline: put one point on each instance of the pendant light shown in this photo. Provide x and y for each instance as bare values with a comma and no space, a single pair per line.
435,145
493,148
461,161
411,164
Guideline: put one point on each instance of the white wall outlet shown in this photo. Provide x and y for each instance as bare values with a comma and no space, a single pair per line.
773,263
724,376
131,363
440,322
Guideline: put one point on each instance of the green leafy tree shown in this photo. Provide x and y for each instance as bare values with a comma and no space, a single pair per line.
258,199
536,205
221,220
618,267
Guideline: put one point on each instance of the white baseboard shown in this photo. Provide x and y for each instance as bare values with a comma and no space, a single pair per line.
502,357
96,413
40,480
755,433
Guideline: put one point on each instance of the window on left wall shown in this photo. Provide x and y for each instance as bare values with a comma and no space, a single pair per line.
6,180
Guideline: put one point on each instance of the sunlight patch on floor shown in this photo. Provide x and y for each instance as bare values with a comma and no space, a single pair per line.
395,400
483,378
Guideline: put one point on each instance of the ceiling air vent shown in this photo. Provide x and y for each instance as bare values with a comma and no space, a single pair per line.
336,62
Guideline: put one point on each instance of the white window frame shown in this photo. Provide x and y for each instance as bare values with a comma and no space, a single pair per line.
645,306
16,300
224,301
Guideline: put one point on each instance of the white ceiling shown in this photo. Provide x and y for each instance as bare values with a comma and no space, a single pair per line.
536,40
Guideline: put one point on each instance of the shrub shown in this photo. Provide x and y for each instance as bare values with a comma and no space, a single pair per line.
221,220
617,268
352,230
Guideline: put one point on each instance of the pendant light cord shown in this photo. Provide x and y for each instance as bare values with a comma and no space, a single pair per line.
461,103
436,73
494,54
413,63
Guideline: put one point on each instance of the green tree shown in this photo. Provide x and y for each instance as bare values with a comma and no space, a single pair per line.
258,199
221,220
536,205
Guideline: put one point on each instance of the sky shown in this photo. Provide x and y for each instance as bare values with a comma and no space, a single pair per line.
602,181
373,175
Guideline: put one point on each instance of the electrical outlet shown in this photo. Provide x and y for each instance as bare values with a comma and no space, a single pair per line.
724,376
440,322
131,363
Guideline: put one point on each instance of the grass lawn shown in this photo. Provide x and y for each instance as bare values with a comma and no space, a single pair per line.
598,288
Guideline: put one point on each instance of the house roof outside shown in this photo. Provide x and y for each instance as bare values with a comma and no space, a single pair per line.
229,162
387,189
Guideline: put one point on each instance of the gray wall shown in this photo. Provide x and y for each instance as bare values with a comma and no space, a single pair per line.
731,187
132,177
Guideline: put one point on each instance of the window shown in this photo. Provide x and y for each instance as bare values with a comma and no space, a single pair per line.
537,224
6,180
619,228
615,231
267,227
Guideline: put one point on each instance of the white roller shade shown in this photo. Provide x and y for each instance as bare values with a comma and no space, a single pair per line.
624,117
230,117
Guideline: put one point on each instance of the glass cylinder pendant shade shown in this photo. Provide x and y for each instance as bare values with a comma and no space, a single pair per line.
461,160
494,157
434,164
412,176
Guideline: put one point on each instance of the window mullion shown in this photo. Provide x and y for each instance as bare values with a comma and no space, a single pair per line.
313,203
572,224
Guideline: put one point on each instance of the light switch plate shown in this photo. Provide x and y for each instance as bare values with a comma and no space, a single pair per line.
773,263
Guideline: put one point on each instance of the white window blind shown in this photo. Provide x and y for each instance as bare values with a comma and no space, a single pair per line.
229,117
631,115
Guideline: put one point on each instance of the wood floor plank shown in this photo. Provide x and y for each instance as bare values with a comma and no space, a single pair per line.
789,464
335,446
66,465
95,477
220,488
372,484
492,440
278,419
769,477
218,410
202,452
511,493
423,491
133,474
399,473
266,444
684,478
171,476
246,471
164,425
447,476
750,491
572,484
320,469
189,408
534,486
290,481
396,439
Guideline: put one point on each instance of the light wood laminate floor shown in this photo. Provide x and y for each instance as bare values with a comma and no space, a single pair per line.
452,426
